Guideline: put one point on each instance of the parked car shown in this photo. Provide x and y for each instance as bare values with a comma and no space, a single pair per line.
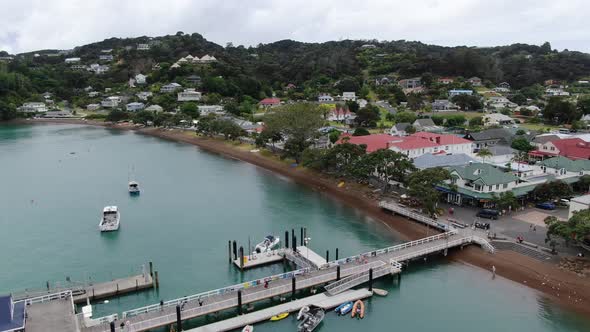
483,225
488,214
545,206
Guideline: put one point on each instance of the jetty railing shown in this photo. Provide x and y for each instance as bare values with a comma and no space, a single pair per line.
413,215
436,248
48,297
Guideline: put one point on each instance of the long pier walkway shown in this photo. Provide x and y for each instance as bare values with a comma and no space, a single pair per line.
340,275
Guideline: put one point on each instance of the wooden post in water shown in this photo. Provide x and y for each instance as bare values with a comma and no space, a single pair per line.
301,236
117,289
327,255
338,272
305,232
136,284
229,251
157,279
293,286
399,278
151,269
112,326
239,302
370,279
293,243
178,319
241,258
235,247
286,239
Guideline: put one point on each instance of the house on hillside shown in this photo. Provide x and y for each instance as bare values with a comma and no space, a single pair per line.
399,129
269,102
168,88
410,83
72,60
144,95
194,79
475,81
111,102
140,78
143,47
446,80
497,119
442,105
489,137
189,95
134,107
427,125
93,107
32,107
341,115
348,96
154,108
325,98
205,110
500,102
105,57
459,92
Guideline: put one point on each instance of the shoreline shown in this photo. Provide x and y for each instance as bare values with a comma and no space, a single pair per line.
562,287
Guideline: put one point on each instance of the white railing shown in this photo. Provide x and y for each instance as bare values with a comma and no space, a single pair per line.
433,249
357,279
365,269
204,295
48,297
486,245
411,214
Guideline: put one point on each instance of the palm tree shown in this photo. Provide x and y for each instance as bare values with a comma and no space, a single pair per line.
484,153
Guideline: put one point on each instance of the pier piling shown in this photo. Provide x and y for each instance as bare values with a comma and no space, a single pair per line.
336,253
239,302
293,285
293,242
136,284
157,279
301,236
327,255
229,251
235,248
117,289
370,279
287,239
178,319
337,272
112,326
241,258
151,269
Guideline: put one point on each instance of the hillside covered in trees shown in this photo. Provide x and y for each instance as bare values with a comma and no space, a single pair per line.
252,73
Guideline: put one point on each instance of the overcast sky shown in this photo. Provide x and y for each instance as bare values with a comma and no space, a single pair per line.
27,25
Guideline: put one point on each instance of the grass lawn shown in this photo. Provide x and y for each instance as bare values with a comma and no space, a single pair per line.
467,115
538,126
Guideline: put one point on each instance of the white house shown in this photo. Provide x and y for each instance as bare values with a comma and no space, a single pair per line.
93,107
497,119
33,107
348,96
111,102
325,98
144,95
189,95
134,107
205,110
457,92
72,60
442,105
362,103
93,94
105,57
155,108
143,47
422,143
475,81
500,102
341,115
556,92
170,87
399,129
140,78
579,203
205,59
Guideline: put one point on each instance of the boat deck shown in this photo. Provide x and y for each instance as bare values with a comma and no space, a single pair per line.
321,300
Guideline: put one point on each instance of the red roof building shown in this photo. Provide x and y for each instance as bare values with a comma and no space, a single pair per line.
270,102
414,145
572,148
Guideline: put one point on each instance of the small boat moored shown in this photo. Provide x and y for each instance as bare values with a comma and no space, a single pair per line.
280,316
358,310
312,319
302,313
380,292
270,242
248,328
110,219
344,308
133,188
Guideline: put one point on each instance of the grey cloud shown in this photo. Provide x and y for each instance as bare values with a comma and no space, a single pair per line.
27,25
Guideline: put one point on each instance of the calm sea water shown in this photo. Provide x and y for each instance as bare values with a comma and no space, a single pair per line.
55,180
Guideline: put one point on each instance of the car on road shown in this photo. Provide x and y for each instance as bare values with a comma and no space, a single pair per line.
488,214
545,206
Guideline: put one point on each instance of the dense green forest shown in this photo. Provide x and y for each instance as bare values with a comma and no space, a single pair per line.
252,73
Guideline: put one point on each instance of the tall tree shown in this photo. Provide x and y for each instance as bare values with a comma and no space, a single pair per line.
421,185
560,111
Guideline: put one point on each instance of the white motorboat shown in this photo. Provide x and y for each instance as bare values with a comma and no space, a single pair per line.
270,242
110,219
133,188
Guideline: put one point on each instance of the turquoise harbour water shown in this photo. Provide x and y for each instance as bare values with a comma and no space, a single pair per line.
55,180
